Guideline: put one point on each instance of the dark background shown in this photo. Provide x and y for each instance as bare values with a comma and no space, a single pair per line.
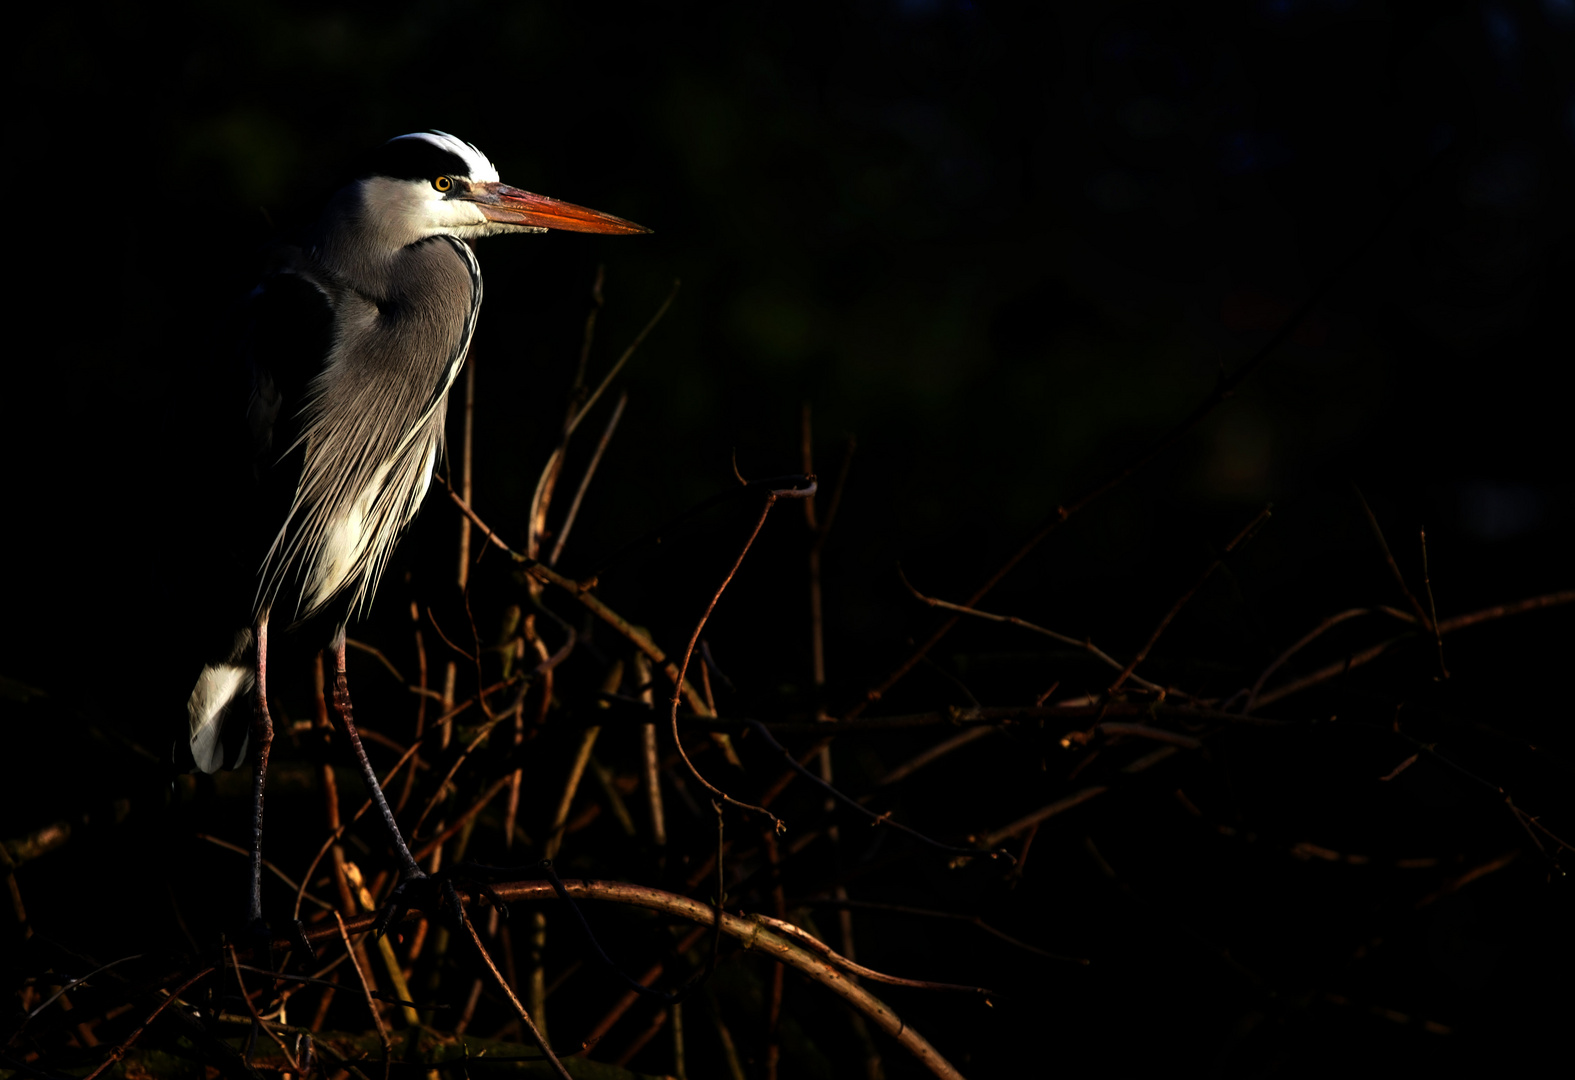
1003,246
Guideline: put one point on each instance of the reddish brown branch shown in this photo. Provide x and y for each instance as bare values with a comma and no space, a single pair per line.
581,592
807,492
1535,603
751,933
1446,626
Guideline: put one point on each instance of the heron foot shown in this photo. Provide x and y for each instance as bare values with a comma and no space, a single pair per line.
438,891
413,891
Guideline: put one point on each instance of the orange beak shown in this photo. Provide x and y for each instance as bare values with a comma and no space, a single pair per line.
511,206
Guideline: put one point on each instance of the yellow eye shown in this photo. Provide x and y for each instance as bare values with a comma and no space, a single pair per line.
442,183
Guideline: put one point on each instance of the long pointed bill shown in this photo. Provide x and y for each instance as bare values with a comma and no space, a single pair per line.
511,206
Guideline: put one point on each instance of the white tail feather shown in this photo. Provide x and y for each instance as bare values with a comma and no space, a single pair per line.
220,687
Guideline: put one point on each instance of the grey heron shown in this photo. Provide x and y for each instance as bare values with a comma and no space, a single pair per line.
353,339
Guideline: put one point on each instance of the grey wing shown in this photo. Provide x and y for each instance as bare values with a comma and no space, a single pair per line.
372,428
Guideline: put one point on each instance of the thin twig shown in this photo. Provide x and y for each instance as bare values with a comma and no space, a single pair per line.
377,654
751,933
582,758
1224,388
300,889
530,1026
437,796
1445,626
421,701
318,980
778,972
765,939
650,757
1331,671
1181,602
814,944
820,532
989,716
1084,644
580,591
641,987
1060,806
585,481
487,728
1432,609
747,491
547,482
927,913
453,828
754,936
1499,611
74,983
934,753
1394,568
336,830
817,644
637,986
366,987
832,504
1305,640
257,1020
433,620
877,819
639,339
771,499
598,301
658,1022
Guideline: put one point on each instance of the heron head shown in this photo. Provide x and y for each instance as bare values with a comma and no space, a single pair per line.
432,183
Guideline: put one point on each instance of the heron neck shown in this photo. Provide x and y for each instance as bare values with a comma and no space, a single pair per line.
360,245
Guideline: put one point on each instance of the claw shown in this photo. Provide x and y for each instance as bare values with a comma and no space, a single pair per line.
492,897
450,903
392,913
468,873
394,908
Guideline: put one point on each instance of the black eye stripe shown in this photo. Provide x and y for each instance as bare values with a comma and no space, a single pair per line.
414,159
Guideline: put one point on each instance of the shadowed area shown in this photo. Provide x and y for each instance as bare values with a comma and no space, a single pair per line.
1296,787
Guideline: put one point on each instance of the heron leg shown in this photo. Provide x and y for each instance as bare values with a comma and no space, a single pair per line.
410,870
262,741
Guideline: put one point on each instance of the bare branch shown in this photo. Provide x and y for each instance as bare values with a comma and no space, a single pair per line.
1394,568
755,937
1181,602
